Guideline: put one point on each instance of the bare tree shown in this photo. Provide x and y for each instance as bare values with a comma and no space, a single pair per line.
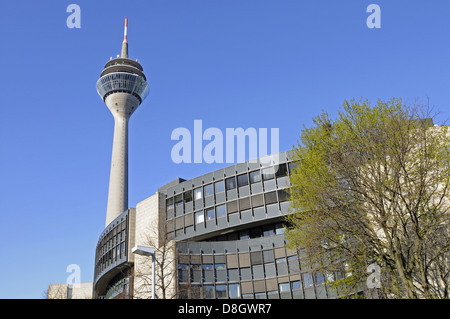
55,291
165,272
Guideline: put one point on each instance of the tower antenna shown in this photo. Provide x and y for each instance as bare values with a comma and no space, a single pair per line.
124,53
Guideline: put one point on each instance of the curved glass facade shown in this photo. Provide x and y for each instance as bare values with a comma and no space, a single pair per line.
259,268
112,257
125,82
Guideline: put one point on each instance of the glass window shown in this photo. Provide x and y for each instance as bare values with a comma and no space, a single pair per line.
292,166
281,170
188,196
244,203
296,285
198,193
221,211
178,200
221,291
258,272
220,186
268,230
279,229
219,266
207,266
270,270
199,217
270,198
232,207
246,273
208,291
268,256
233,274
308,280
244,234
255,232
242,180
284,287
255,176
208,190
270,185
283,195
256,257
169,203
210,214
268,173
319,279
183,273
230,183
258,200
234,291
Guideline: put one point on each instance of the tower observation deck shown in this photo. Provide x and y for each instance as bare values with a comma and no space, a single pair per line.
122,86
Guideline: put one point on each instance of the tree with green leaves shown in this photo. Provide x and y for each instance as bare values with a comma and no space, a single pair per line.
372,187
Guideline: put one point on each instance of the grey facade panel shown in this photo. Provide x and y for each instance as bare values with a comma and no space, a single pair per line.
259,266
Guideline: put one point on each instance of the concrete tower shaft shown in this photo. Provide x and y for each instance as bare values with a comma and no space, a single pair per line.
121,105
123,87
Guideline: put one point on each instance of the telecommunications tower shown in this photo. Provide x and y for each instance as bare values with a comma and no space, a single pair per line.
123,87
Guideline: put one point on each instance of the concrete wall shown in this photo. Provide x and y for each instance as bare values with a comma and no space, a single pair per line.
81,290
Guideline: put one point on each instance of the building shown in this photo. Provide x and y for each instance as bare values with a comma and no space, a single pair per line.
219,235
81,290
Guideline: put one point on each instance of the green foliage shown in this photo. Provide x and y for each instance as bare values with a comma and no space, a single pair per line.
371,186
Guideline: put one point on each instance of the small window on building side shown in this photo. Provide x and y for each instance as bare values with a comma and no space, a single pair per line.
242,180
234,291
199,217
281,170
221,211
208,291
296,285
308,280
268,173
208,190
220,186
292,166
230,183
284,287
221,291
270,198
255,176
188,196
198,193
210,214
169,203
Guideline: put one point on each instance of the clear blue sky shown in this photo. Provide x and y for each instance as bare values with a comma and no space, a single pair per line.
233,63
